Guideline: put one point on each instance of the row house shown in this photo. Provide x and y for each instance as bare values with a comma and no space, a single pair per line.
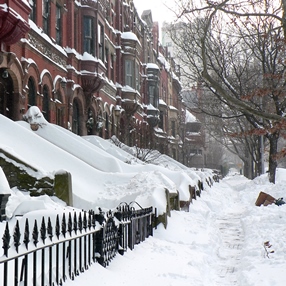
93,67
194,148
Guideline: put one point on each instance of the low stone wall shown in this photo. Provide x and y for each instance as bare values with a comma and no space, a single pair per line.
16,172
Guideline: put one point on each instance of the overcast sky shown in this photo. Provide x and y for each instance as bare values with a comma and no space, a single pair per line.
160,12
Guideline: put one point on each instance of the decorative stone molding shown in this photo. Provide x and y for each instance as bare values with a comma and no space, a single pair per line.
47,50
14,21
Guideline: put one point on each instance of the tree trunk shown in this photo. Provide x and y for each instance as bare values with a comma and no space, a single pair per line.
273,142
248,168
283,2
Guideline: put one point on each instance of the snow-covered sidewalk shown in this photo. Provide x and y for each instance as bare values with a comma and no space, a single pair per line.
225,220
229,250
211,245
219,242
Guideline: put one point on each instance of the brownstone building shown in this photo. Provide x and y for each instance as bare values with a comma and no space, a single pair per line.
94,67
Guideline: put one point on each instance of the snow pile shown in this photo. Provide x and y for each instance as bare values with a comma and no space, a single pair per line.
4,185
99,179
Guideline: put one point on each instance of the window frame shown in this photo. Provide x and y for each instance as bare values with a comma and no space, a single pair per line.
173,128
88,34
58,25
32,92
129,71
100,41
46,13
33,14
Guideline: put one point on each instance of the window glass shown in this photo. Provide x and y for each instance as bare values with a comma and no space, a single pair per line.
46,16
46,103
32,93
137,77
128,73
33,10
58,25
100,36
88,35
173,128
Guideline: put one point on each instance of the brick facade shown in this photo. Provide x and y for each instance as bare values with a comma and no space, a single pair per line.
95,67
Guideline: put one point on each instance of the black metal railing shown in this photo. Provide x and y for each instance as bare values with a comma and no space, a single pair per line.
69,244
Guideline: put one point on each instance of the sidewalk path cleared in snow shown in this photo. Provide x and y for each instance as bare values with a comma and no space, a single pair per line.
229,250
230,234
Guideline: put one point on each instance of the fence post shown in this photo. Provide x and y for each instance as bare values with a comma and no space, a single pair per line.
50,233
16,237
99,247
43,237
64,225
63,187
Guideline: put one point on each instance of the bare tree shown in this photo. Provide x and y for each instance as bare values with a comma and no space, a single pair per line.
236,49
147,156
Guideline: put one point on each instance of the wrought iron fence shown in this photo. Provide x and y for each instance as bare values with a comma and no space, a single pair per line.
69,244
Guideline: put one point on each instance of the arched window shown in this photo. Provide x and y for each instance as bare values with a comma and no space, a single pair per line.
99,124
46,103
60,109
106,126
58,97
32,93
3,98
122,133
7,100
113,125
76,118
161,122
90,122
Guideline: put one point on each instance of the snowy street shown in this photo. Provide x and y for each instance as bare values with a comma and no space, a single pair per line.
219,242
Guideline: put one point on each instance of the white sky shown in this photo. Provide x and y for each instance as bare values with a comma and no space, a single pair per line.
160,12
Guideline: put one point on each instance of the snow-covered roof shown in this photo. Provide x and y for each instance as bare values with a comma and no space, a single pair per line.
164,62
152,66
151,107
190,117
127,88
162,102
171,107
129,36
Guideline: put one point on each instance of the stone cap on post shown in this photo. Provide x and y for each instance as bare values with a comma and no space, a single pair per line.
63,186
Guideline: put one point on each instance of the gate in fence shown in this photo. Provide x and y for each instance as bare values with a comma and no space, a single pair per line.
65,246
